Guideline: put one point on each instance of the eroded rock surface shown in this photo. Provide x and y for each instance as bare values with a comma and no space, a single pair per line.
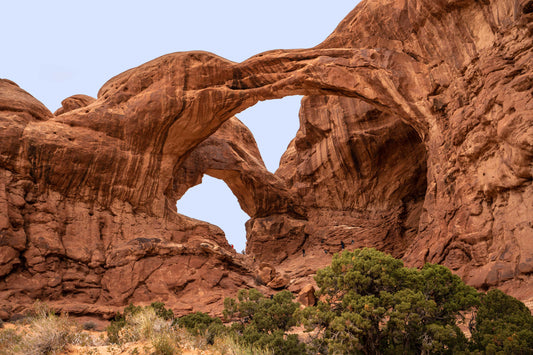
416,137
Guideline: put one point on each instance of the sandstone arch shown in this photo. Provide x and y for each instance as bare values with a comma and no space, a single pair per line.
87,197
231,155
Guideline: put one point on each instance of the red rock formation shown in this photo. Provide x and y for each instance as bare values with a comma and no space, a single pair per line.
360,184
74,102
307,297
476,215
231,154
416,138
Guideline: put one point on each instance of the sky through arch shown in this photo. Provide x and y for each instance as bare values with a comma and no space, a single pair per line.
210,201
274,124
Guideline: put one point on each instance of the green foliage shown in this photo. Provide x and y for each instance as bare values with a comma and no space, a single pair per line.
113,329
263,321
161,311
131,310
202,324
264,314
371,303
503,325
276,341
119,321
197,323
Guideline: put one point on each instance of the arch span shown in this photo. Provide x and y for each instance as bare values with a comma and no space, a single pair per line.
180,99
231,155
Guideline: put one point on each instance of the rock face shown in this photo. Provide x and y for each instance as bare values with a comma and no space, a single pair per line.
416,137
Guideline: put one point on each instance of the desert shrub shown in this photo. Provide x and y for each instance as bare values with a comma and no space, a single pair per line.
264,321
142,325
131,309
152,323
17,318
113,329
200,323
43,332
502,325
164,343
90,325
48,334
370,303
265,314
9,341
161,311
197,323
276,341
140,321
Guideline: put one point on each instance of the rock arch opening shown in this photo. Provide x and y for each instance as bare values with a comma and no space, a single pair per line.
213,202
350,167
224,180
274,124
359,175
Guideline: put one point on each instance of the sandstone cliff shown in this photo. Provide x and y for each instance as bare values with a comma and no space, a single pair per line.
416,137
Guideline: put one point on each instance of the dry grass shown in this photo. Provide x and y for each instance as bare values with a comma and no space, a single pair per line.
9,340
165,339
229,346
42,332
144,333
143,325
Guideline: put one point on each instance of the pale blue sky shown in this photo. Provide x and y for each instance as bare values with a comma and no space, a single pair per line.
55,49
